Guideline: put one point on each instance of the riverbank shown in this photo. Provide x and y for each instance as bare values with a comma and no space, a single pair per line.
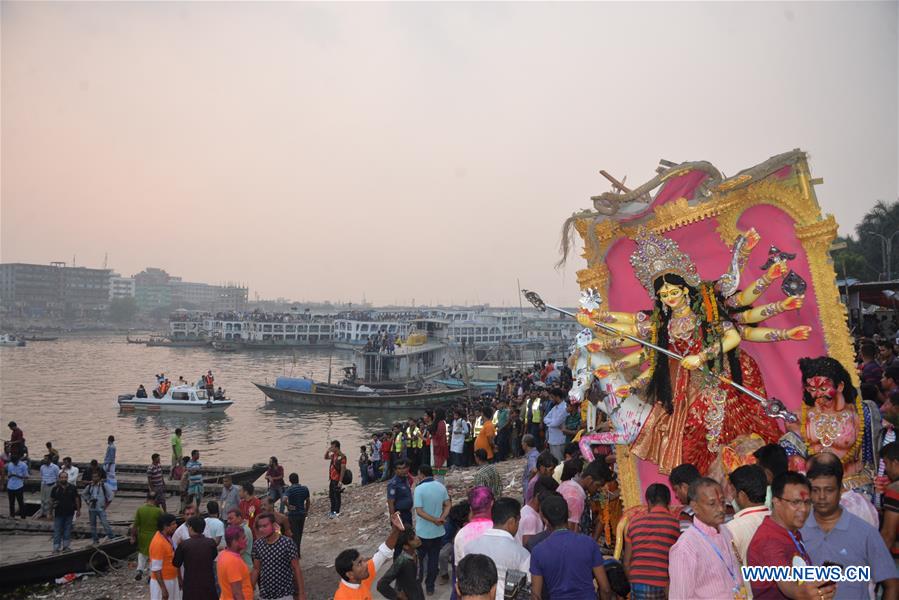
362,525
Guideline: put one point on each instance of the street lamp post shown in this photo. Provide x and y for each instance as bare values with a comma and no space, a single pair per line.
886,249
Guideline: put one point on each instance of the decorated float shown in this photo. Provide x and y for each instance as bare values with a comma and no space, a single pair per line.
713,324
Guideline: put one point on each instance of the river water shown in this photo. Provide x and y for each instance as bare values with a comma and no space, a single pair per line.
65,392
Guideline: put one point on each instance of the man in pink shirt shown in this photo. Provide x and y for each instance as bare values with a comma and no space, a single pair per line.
702,563
531,523
480,499
575,490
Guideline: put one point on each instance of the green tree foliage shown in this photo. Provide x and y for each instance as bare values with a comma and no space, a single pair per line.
863,257
122,310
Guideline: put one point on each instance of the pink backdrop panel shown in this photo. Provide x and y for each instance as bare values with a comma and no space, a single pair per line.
701,241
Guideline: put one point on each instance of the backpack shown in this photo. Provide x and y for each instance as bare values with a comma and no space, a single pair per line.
347,477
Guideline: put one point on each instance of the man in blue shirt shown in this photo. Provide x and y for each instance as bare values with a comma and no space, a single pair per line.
49,475
565,563
432,505
195,477
528,445
554,420
399,492
833,535
16,474
109,457
298,505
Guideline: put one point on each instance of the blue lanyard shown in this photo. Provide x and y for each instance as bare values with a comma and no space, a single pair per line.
800,547
730,570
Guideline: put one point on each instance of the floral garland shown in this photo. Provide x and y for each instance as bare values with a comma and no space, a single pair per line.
859,436
706,308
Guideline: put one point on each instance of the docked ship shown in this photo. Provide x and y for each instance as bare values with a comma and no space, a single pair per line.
399,376
253,330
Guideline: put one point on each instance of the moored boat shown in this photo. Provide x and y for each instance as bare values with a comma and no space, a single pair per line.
170,343
367,398
182,398
39,338
46,568
8,339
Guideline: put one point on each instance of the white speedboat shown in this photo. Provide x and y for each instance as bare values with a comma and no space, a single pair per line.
182,398
8,339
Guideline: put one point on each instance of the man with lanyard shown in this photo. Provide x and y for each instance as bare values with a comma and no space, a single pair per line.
702,563
778,542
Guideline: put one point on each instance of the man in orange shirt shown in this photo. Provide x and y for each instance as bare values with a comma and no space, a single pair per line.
357,575
487,433
164,576
233,573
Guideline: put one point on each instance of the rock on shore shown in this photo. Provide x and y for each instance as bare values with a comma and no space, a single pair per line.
363,525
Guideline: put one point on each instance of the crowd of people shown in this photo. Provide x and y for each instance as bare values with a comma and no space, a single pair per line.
555,540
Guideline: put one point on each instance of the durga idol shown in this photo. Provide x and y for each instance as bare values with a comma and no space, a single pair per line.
695,412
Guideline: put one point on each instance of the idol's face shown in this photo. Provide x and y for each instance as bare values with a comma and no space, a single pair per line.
822,389
672,296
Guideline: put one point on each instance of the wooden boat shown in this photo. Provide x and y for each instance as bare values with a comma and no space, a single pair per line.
47,568
137,341
380,399
169,343
39,338
220,346
132,478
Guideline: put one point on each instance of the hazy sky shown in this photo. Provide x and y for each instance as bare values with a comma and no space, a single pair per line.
426,151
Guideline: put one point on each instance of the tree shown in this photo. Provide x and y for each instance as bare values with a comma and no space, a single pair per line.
864,258
122,310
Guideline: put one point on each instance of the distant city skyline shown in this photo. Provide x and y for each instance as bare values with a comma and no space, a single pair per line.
411,150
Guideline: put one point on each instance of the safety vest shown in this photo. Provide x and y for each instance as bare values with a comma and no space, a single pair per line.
495,418
398,443
535,411
414,437
478,425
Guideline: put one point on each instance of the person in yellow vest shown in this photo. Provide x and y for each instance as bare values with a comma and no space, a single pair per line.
414,444
533,417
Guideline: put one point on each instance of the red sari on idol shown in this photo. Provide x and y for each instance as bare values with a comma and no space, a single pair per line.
707,415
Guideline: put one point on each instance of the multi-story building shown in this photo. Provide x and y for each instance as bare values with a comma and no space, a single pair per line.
121,287
186,294
152,289
54,290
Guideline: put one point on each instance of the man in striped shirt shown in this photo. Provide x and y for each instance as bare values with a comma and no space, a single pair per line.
647,543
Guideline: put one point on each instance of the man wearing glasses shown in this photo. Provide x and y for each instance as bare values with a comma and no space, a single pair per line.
778,542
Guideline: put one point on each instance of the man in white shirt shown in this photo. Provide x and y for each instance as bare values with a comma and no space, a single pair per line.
457,439
215,529
182,533
748,486
70,469
500,545
49,476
